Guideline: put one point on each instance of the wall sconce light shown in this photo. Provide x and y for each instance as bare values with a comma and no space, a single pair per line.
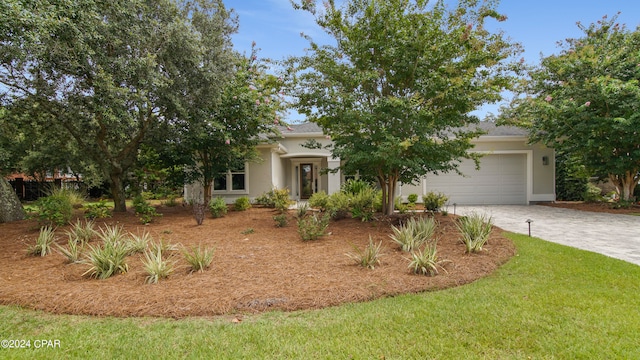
545,160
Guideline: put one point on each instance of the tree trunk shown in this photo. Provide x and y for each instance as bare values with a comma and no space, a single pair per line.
207,191
10,206
625,184
117,192
388,186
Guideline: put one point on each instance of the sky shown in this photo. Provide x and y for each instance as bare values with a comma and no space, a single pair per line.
536,24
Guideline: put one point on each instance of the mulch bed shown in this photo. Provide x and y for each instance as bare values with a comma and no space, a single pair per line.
270,268
605,207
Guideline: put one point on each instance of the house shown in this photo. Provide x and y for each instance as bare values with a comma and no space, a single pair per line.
511,171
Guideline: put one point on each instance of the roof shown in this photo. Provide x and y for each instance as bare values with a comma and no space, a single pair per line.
489,127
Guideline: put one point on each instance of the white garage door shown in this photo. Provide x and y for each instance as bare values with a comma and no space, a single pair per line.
501,180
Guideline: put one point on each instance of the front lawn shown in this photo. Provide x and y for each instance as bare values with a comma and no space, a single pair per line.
550,301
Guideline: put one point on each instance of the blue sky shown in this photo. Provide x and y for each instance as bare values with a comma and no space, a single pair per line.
537,24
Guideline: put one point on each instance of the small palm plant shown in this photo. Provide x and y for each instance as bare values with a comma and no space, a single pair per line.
156,266
199,258
475,230
43,242
369,257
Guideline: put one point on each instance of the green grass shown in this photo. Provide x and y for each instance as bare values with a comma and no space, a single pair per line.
548,302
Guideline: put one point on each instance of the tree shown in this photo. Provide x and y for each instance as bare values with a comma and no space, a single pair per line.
396,90
585,102
107,73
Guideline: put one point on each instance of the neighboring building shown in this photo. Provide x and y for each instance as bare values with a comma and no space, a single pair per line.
511,172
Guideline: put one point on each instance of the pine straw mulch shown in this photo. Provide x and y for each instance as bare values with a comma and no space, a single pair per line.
268,269
604,207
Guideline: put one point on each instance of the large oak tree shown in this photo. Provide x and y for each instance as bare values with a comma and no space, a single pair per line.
396,89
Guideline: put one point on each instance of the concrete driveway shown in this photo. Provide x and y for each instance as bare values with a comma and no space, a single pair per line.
617,236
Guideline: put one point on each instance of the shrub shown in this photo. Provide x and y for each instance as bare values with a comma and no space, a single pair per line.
218,207
338,205
312,227
171,201
592,194
412,198
75,197
43,243
82,232
98,210
242,204
398,205
73,251
144,210
112,234
198,257
107,260
425,262
353,186
414,233
275,198
362,204
433,201
157,267
475,230
54,210
369,257
281,220
319,200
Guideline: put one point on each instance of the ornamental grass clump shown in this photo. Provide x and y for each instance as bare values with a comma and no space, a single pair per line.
138,243
200,258
82,232
73,251
107,260
475,230
312,227
414,233
369,257
425,262
42,247
156,265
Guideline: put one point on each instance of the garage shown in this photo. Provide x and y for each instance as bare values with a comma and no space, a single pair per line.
501,180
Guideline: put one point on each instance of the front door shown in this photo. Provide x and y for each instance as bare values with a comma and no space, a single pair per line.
306,181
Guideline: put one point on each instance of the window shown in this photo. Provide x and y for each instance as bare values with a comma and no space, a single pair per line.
233,180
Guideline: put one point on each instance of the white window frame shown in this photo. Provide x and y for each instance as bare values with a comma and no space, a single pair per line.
229,190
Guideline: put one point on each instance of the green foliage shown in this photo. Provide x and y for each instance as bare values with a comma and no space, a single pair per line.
388,96
242,204
369,257
319,200
302,210
363,203
414,233
425,262
313,227
171,201
248,231
592,193
590,92
75,197
281,220
112,73
412,198
475,230
339,205
218,207
199,258
571,177
163,246
54,210
42,247
99,210
400,207
434,201
144,210
156,266
73,251
355,186
275,198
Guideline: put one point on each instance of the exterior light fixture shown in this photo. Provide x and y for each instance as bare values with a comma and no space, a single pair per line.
545,160
529,221
454,209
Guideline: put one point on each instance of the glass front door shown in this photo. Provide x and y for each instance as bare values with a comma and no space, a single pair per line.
306,181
